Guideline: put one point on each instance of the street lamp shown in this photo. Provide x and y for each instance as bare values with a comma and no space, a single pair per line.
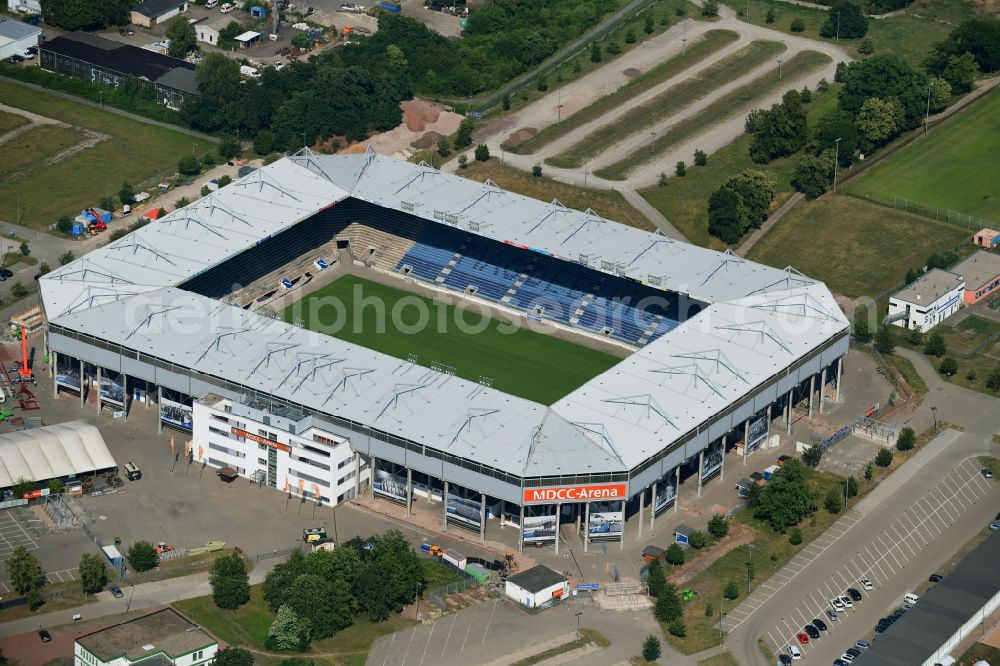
779,67
934,412
838,25
927,115
652,132
578,614
749,566
836,162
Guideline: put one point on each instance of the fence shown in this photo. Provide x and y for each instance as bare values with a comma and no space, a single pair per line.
907,205
438,595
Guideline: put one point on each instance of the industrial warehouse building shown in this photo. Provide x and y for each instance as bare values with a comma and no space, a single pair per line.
163,638
86,56
149,13
981,273
16,37
732,348
64,451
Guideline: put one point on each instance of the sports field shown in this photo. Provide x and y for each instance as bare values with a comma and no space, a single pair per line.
953,167
524,363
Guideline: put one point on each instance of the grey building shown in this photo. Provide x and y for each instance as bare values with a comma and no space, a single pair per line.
92,58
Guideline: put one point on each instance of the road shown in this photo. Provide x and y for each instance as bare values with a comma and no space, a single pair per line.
906,528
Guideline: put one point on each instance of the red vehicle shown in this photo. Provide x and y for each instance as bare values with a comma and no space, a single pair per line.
803,639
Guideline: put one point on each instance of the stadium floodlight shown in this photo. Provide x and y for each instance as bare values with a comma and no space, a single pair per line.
260,179
95,295
760,328
398,391
692,370
470,415
149,318
714,356
224,332
646,401
272,349
130,243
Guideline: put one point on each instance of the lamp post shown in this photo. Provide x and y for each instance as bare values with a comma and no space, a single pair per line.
652,132
934,412
927,115
836,162
417,611
749,566
578,614
838,25
779,67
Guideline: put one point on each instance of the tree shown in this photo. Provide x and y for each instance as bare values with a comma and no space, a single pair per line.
56,487
536,170
24,249
300,41
770,16
224,180
35,598
830,127
731,591
542,83
73,15
205,190
852,486
885,76
463,161
906,439
263,143
142,556
795,536
940,94
651,648
444,147
833,502
66,257
288,631
812,456
395,58
182,37
866,47
697,539
756,191
861,331
812,175
482,153
797,25
700,158
912,275
44,268
806,95
229,147
656,580
727,216
463,138
680,169
647,25
884,344
960,71
662,180
22,487
935,345
718,525
844,20
24,570
878,121
674,554
786,499
189,166
328,605
668,605
279,580
230,582
949,366
505,102
677,628
180,203
18,290
780,130
93,574
979,37
869,472
941,260
822,86
993,380
630,36
233,656
710,8
595,52
884,457
64,224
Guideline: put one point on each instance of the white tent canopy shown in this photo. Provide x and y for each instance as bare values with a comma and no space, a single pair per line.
52,452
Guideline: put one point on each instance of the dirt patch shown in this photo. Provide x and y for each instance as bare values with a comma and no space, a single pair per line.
419,118
739,535
428,140
632,72
417,114
520,136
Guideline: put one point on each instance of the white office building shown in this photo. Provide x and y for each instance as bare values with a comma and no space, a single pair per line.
162,638
277,447
928,301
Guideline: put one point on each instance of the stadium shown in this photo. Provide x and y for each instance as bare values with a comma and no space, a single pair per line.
201,312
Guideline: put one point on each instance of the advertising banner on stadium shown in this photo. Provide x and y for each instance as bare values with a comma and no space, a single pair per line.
758,430
574,493
712,461
463,511
111,392
176,414
666,493
390,482
539,529
607,521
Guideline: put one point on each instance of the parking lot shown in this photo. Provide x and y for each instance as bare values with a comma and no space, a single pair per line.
13,532
881,560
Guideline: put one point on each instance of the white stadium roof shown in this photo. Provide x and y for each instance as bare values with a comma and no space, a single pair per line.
759,320
51,452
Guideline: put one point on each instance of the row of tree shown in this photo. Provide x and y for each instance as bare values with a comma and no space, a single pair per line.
85,14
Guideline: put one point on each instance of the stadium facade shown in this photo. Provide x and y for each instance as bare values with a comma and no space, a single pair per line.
727,347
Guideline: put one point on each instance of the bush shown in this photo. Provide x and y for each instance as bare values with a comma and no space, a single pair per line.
656,581
798,25
884,457
732,590
675,554
862,333
224,180
677,628
700,158
662,182
205,190
697,539
718,526
993,380
680,169
66,257
770,16
65,224
536,170
463,138
934,346
852,486
189,166
869,472
505,103
444,147
833,502
651,648
906,439
482,153
613,48
949,366
668,605
812,456
823,85
867,47
180,203
35,598
710,8
18,290
463,161
795,536
630,36
142,556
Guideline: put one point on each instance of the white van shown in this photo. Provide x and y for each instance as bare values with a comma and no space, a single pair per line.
910,598
249,72
211,4
795,652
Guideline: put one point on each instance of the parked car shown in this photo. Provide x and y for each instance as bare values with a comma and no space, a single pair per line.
794,652
910,598
819,624
784,659
987,472
846,600
210,4
126,32
832,615
853,651
116,592
846,657
812,631
866,584
935,578
15,59
44,635
855,594
226,8
995,525
864,645
803,638
837,603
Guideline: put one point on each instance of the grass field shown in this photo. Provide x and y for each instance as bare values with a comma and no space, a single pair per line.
731,68
135,152
9,121
953,167
606,203
713,41
973,342
30,148
684,201
524,363
857,248
739,101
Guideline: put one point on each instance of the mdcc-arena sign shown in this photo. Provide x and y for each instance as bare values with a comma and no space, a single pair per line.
612,491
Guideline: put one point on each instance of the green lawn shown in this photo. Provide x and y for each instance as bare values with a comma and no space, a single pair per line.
524,363
737,102
247,626
731,68
980,652
908,37
136,151
437,574
684,201
953,167
857,248
29,149
712,41
724,659
968,341
9,121
606,203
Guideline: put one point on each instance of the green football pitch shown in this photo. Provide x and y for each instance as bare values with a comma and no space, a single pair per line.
954,167
524,363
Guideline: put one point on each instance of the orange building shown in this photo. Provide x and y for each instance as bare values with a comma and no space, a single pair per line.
981,273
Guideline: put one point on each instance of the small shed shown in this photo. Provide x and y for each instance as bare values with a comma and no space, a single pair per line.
95,214
480,573
536,587
454,558
113,556
258,12
650,553
682,534
247,39
987,238
153,214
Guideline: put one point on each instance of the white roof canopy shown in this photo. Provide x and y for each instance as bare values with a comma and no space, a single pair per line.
52,452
